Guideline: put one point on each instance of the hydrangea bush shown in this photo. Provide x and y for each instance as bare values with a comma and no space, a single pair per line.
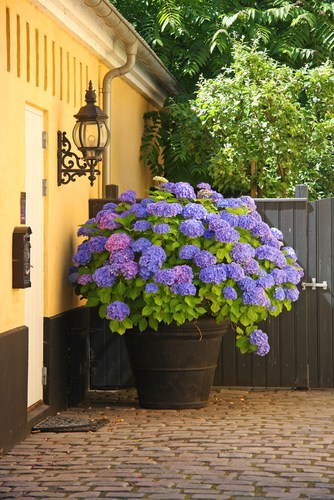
181,254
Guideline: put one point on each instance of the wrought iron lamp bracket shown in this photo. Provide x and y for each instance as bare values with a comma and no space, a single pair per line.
70,165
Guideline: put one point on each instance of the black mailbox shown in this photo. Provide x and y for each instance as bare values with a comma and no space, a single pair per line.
21,257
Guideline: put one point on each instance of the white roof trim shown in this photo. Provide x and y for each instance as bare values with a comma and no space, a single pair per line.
149,76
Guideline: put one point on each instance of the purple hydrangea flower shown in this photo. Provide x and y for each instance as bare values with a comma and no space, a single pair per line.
152,258
165,277
204,185
118,241
87,231
129,270
74,275
204,258
262,230
184,289
183,190
145,273
144,202
279,293
242,252
188,251
290,253
271,241
218,224
97,244
141,244
292,275
141,225
121,256
107,220
192,228
249,202
83,255
128,197
260,339
164,209
104,276
229,203
194,211
229,293
213,274
118,310
235,271
161,228
151,288
183,274
84,279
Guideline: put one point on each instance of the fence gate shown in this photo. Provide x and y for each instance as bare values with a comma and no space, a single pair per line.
302,347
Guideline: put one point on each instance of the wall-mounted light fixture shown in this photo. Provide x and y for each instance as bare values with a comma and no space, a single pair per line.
90,135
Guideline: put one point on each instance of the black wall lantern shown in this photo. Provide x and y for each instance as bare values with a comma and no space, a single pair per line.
90,135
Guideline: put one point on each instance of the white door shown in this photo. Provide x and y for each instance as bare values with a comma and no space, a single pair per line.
35,220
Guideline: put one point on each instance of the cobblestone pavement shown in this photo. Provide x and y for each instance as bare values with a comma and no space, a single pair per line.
244,444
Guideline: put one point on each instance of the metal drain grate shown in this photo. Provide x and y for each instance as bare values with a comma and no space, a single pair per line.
61,423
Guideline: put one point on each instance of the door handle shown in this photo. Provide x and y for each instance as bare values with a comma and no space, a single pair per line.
314,285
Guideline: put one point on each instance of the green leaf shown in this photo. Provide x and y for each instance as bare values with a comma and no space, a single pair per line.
93,302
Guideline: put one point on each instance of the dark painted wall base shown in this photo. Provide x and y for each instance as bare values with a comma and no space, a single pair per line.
66,358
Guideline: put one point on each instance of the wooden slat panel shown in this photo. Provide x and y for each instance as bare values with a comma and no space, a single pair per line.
324,239
311,297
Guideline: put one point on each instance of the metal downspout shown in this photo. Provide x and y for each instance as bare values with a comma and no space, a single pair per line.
131,53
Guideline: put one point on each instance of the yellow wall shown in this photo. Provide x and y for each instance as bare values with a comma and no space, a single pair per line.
43,66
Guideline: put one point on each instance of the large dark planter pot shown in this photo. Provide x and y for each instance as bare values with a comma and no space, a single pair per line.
174,367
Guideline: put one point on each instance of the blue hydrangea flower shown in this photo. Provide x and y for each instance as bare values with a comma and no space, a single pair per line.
141,225
242,252
290,253
194,211
129,270
260,339
83,255
188,251
279,293
213,274
104,276
146,274
204,185
97,244
164,209
109,206
128,197
74,275
141,244
276,233
248,202
279,276
121,256
291,294
229,293
232,219
139,210
184,289
247,284
87,231
218,224
183,190
151,288
292,275
118,310
235,271
192,228
152,258
252,267
204,258
262,230
229,203
255,297
208,235
266,281
161,228
266,252
246,221
227,235
270,241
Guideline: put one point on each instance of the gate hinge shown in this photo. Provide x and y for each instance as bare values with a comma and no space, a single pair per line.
44,375
44,139
314,285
